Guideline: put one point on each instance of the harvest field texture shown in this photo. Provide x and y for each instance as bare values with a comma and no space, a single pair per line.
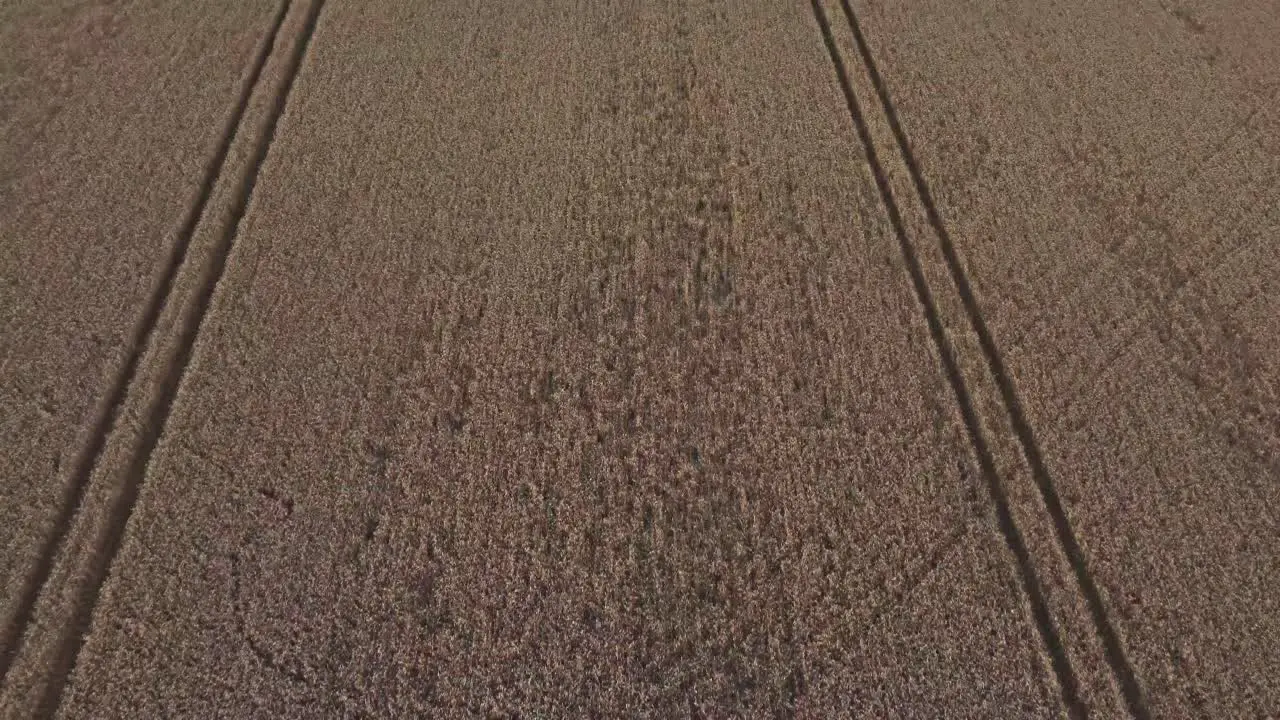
666,358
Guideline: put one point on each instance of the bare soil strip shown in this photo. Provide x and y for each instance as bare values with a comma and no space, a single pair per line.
12,632
1115,653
